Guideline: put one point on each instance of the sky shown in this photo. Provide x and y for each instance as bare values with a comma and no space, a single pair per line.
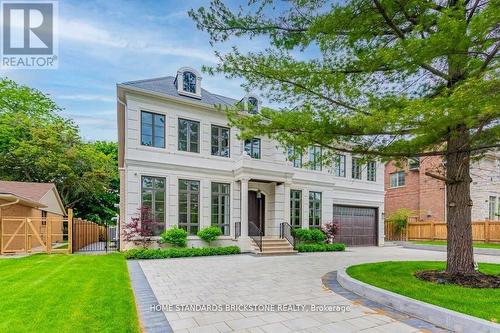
102,43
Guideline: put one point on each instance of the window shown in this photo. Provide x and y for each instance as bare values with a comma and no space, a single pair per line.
252,147
398,179
493,210
189,136
153,198
189,82
295,156
356,168
314,209
253,105
296,208
414,163
315,158
220,207
371,171
189,202
339,165
220,141
152,129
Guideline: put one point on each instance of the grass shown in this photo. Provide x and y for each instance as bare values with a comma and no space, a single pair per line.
398,277
66,293
478,244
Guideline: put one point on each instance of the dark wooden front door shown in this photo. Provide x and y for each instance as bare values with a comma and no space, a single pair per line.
256,213
357,225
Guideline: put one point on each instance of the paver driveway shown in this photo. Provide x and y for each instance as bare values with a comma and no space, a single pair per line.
246,279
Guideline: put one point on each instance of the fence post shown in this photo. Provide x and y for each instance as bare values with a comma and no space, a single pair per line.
407,229
486,231
49,236
70,230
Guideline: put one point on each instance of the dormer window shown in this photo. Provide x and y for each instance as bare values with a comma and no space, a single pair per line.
189,80
253,105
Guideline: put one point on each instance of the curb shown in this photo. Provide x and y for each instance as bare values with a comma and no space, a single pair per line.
442,248
436,315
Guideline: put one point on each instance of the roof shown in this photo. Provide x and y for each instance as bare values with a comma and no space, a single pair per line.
166,85
32,191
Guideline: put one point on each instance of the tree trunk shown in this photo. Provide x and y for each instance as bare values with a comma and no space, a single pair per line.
460,258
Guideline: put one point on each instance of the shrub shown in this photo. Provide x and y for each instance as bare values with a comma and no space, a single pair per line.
302,235
309,235
317,236
175,236
399,219
320,247
180,252
209,234
330,229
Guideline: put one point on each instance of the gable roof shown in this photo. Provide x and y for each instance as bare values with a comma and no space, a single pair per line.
32,191
166,85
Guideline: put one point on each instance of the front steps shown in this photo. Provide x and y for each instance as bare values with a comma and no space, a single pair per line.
273,247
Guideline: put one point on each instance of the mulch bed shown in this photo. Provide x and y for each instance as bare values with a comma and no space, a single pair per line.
476,280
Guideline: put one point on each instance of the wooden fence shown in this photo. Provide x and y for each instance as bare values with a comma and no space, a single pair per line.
482,231
86,233
21,234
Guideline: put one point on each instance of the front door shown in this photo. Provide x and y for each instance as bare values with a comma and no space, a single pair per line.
256,213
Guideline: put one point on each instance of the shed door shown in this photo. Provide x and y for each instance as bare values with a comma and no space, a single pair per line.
357,225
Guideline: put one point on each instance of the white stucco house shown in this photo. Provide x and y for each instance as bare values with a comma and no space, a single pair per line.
178,156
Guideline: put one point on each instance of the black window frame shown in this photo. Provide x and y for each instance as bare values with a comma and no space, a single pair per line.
356,169
314,160
191,228
340,168
189,84
160,224
153,129
371,171
251,152
221,218
188,135
219,139
315,209
296,208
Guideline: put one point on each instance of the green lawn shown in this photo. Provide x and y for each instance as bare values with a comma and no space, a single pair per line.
398,277
481,245
66,293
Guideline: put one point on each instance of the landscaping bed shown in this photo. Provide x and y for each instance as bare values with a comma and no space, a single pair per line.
66,293
180,252
320,247
399,277
475,244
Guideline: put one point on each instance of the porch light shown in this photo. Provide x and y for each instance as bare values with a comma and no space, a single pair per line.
259,195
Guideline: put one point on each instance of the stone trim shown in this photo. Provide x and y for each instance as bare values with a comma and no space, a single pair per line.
436,315
151,321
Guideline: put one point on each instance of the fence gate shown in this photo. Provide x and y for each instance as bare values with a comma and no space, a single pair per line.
92,237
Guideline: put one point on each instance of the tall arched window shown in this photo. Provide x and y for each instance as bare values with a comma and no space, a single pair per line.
189,84
253,105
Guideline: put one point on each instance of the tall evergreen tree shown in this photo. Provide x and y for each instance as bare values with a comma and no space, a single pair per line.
396,78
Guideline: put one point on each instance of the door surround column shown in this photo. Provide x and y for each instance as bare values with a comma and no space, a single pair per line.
244,207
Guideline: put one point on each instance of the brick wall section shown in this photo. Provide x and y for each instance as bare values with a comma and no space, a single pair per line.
421,193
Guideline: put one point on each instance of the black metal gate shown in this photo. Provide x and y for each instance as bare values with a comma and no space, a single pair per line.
89,236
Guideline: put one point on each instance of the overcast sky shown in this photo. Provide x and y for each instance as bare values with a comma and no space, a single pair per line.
102,43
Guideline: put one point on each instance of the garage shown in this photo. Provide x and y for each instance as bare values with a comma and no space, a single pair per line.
357,225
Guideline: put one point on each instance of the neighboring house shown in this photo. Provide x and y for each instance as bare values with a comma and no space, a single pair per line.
178,156
407,186
19,200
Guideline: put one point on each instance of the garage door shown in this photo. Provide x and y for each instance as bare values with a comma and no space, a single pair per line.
357,225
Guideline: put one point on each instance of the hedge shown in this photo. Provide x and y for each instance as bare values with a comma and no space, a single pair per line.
180,252
320,247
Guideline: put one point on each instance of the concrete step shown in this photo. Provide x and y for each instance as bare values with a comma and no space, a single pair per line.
274,246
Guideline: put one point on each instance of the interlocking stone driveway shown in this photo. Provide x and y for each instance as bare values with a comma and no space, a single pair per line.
246,279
